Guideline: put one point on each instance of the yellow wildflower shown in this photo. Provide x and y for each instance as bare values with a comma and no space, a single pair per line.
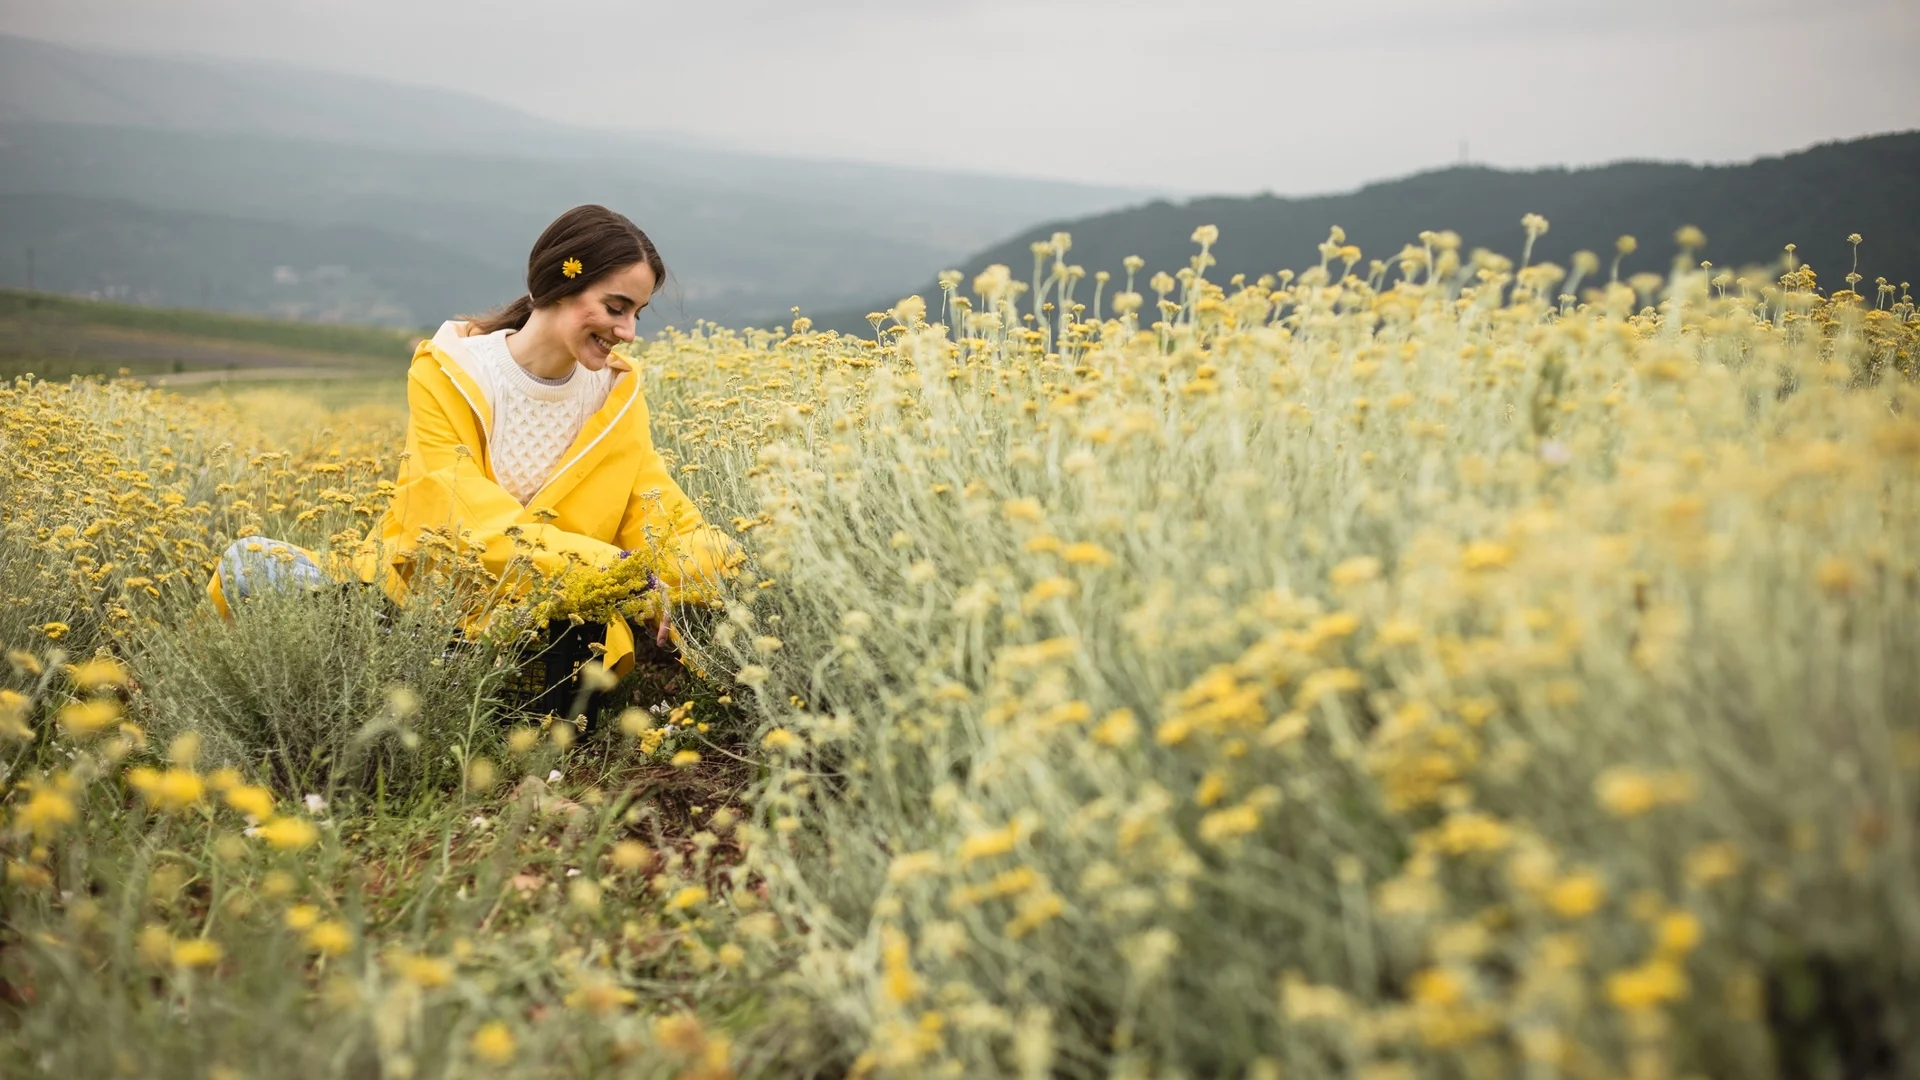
1023,510
289,833
991,842
1437,988
171,791
599,995
255,802
1471,831
426,972
99,673
1576,896
912,865
492,1043
154,945
1085,553
1677,933
13,716
1117,728
330,938
630,855
1045,590
1222,826
45,812
1486,555
1626,792
27,875
85,719
1709,863
1646,987
1355,570
196,953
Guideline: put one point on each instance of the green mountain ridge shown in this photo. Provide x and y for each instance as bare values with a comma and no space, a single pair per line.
1813,199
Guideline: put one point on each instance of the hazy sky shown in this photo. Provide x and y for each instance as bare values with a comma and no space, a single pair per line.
1194,95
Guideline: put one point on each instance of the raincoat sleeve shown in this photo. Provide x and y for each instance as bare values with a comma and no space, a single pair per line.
444,486
660,518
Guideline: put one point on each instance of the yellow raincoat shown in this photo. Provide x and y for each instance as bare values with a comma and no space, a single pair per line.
610,492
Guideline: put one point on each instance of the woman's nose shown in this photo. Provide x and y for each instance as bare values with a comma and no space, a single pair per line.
623,330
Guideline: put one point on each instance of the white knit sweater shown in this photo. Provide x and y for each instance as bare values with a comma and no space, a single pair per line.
535,420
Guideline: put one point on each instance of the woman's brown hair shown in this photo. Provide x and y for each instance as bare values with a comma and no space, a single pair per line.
591,240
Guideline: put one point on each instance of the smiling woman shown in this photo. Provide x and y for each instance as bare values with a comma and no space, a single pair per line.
527,441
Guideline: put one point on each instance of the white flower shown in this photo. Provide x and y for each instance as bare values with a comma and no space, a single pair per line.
315,804
1555,452
553,777
571,872
480,821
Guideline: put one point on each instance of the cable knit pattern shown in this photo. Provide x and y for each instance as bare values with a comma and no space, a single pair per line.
534,420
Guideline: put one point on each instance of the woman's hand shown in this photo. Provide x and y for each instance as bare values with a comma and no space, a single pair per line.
663,627
663,633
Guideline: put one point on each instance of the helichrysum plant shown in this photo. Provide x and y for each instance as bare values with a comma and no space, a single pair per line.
1397,667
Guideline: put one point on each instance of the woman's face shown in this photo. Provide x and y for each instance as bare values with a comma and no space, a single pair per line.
596,319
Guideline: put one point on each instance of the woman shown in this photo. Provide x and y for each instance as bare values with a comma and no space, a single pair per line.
526,435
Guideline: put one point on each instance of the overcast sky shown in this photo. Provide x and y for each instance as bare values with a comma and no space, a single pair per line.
1192,95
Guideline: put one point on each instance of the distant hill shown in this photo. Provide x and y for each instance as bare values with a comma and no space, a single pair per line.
122,251
743,232
441,232
54,337
1813,198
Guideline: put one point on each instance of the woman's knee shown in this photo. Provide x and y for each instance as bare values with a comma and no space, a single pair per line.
254,564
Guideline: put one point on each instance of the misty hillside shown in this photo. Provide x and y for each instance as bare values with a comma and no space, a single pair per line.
1813,199
284,152
730,252
175,258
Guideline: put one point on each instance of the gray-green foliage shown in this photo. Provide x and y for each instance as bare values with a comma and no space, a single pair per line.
332,691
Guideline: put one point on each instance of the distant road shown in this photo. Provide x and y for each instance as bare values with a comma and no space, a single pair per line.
252,374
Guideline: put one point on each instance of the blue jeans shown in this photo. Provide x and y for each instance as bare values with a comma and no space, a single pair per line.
253,565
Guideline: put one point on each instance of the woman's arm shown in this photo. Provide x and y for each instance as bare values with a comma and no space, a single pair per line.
660,518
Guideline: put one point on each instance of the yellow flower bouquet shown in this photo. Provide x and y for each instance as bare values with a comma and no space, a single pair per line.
628,588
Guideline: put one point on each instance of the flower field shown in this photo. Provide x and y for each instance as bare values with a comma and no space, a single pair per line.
1413,667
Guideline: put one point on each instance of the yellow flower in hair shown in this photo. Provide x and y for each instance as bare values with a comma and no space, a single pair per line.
571,268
